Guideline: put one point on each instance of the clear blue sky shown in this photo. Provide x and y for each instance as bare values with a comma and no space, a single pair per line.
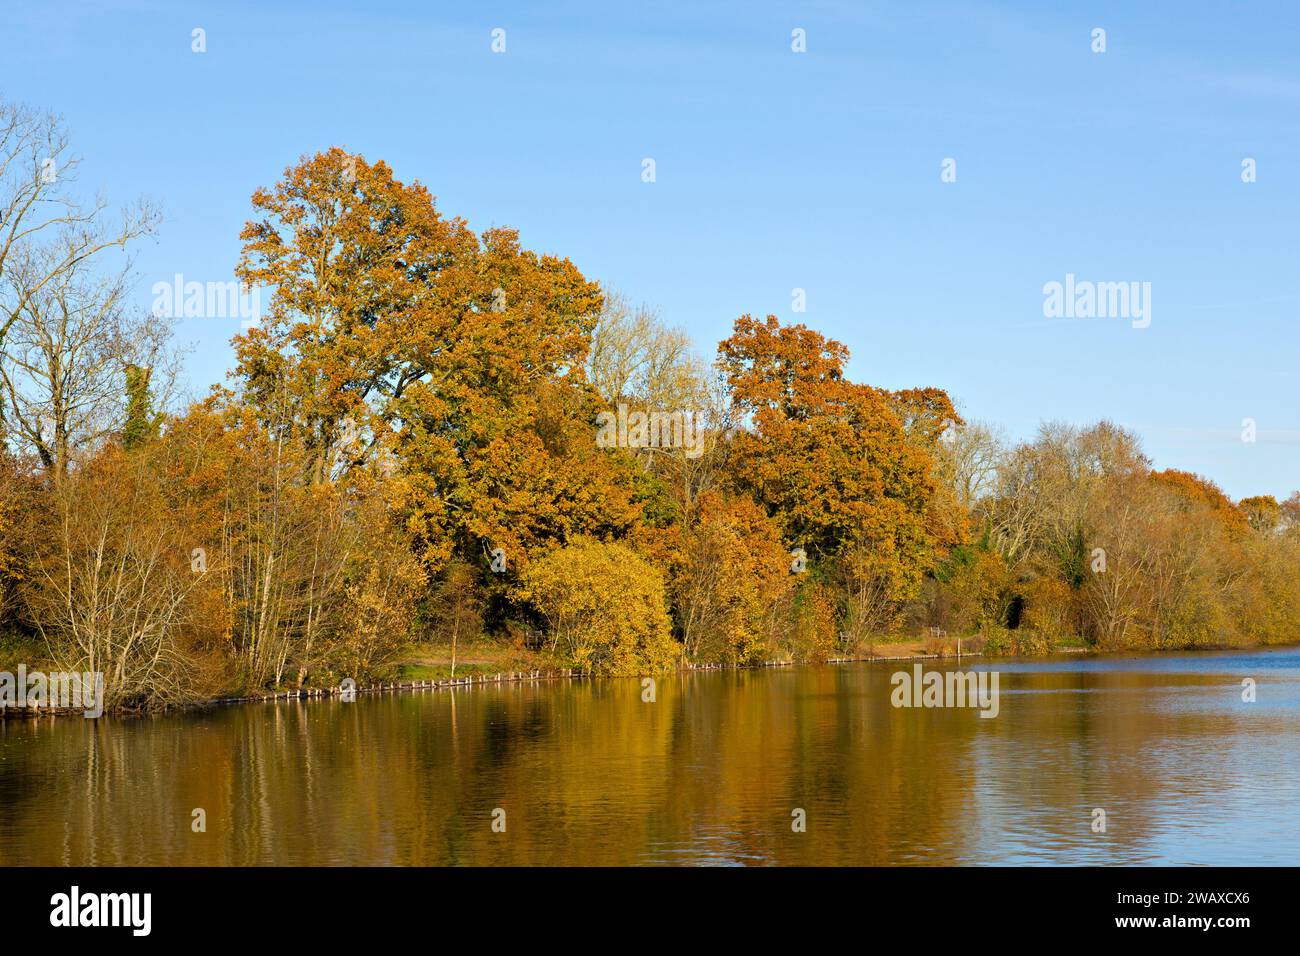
775,170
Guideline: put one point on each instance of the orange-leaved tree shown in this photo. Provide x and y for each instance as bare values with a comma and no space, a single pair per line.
405,343
845,469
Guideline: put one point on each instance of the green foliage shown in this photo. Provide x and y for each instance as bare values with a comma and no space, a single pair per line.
141,422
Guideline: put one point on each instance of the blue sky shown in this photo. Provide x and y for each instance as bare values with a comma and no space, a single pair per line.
775,171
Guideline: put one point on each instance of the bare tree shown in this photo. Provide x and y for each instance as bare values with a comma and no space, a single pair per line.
968,457
635,357
1047,492
52,344
67,359
1014,509
36,205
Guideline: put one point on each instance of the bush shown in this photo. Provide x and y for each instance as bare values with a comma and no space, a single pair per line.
605,608
110,586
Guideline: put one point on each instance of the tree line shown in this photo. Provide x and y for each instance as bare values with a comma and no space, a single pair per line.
406,450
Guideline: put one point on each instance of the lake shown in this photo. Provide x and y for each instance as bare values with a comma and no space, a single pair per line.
720,768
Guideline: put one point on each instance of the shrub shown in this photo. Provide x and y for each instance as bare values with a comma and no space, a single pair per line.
605,608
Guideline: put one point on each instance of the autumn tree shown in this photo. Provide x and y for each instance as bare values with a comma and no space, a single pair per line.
108,585
455,608
729,572
401,339
18,495
845,469
1289,514
1196,490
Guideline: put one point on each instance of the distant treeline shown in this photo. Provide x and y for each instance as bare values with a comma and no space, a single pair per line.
435,432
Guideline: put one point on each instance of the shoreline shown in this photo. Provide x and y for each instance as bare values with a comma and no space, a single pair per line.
539,676
472,680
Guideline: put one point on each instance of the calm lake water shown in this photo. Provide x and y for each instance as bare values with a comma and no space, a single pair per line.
709,773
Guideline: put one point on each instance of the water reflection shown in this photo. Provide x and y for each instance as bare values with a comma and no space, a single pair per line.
709,774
